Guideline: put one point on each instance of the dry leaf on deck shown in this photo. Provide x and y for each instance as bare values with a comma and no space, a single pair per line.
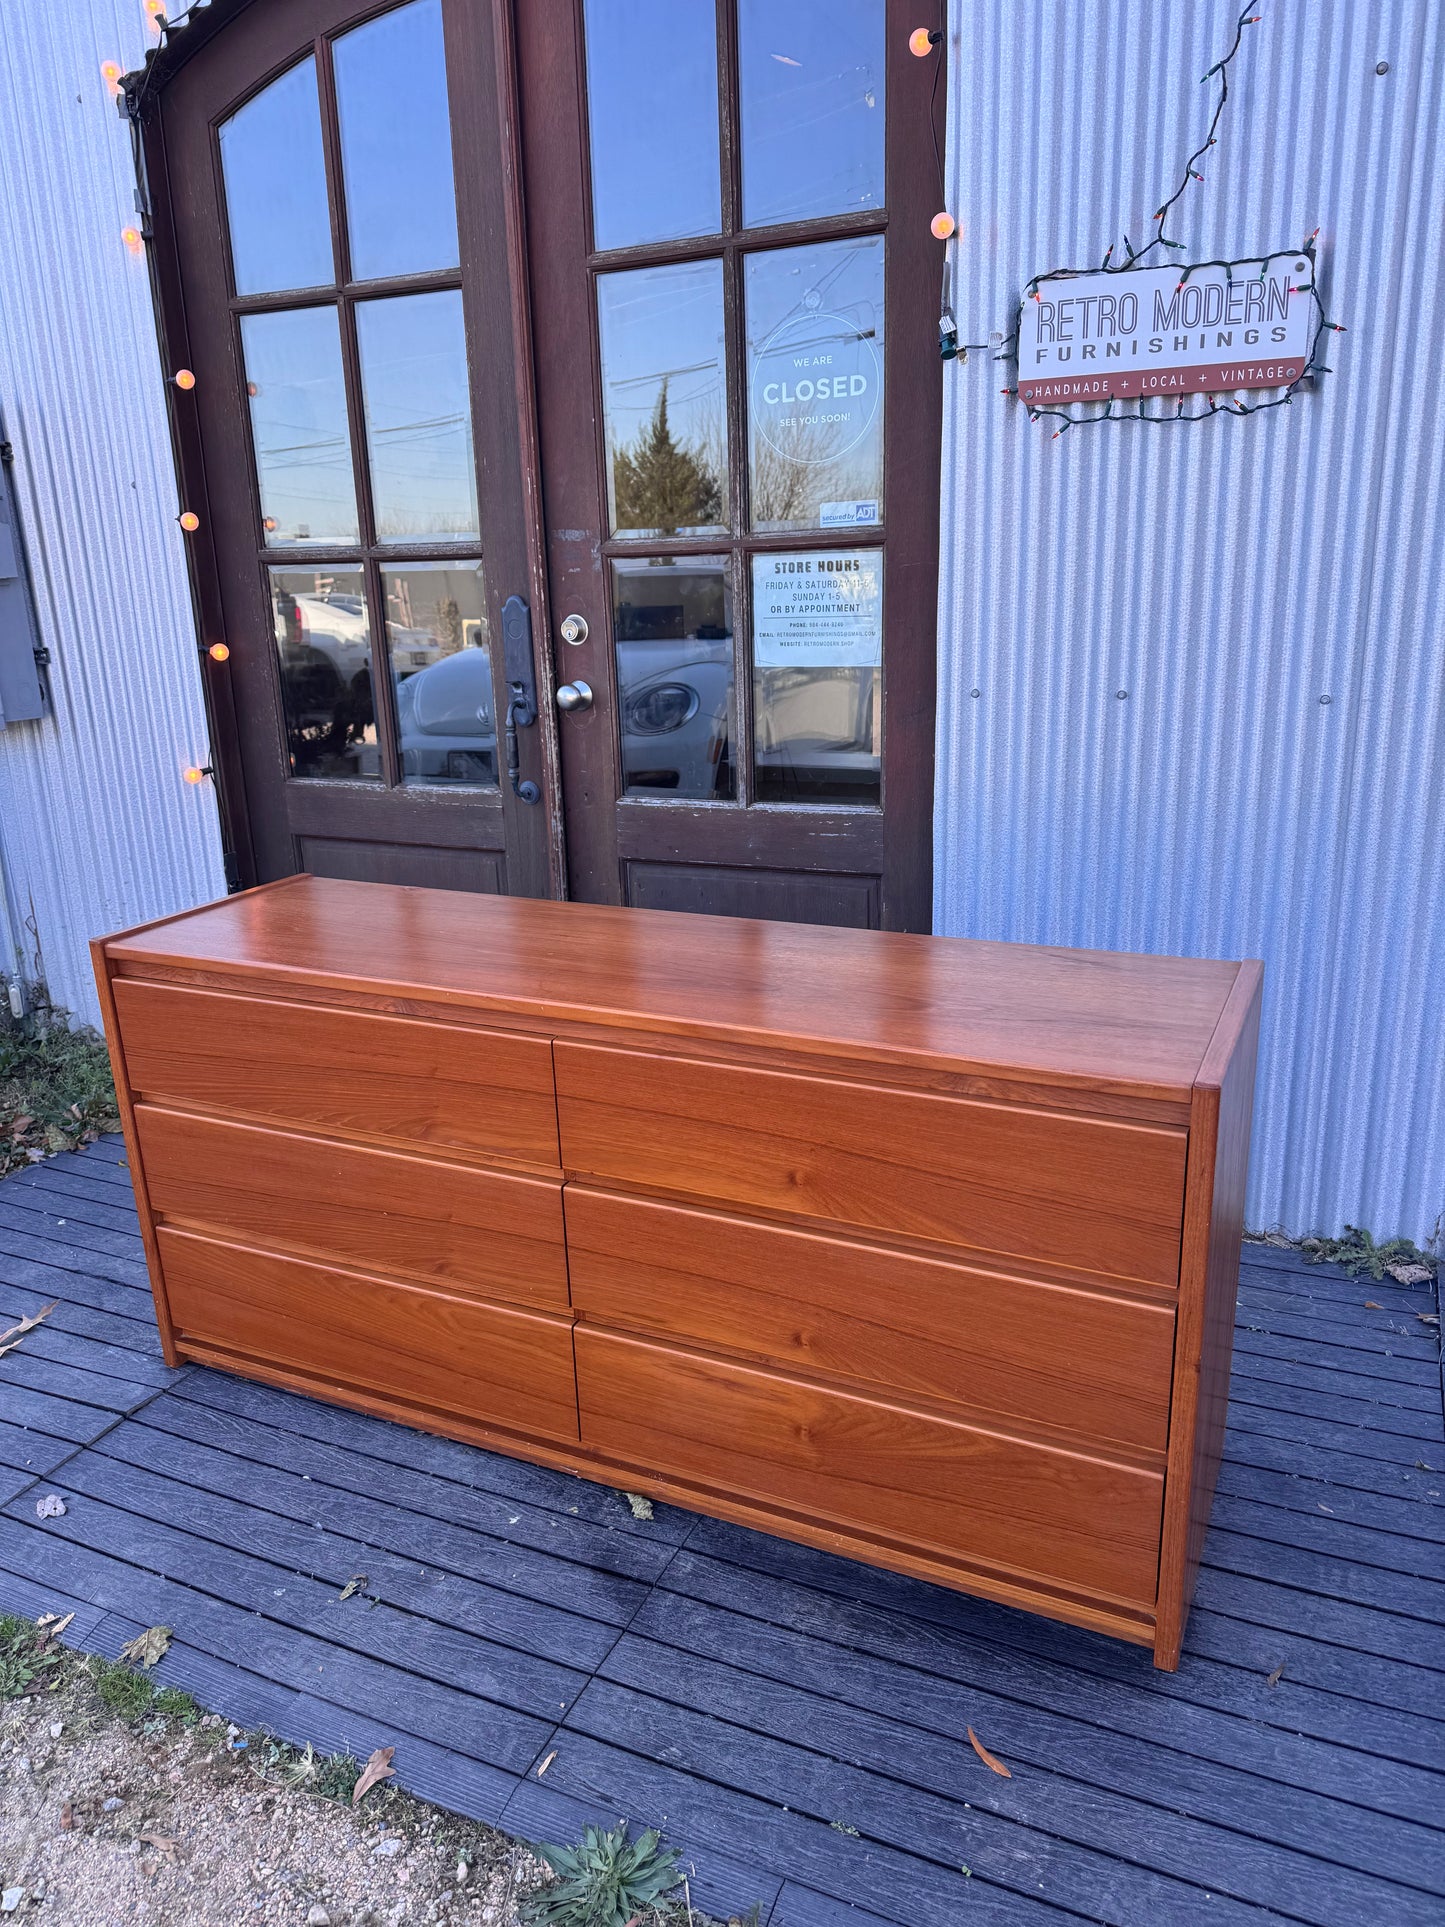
21,1125
1370,1305
1428,1317
1276,1676
993,1765
52,1506
545,1764
641,1508
353,1585
50,1626
377,1768
17,1332
147,1647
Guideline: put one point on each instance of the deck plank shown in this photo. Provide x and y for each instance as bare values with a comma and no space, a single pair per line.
753,1696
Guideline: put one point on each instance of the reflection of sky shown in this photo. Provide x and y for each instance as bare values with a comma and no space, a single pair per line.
391,98
664,323
298,420
652,108
418,415
276,187
812,107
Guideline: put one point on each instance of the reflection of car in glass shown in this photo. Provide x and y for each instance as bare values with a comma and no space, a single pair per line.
447,721
673,693
674,698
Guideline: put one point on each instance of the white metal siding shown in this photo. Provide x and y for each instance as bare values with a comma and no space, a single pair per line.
98,828
1227,576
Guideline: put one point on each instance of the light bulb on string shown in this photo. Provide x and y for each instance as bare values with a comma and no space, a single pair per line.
189,521
133,239
183,378
942,226
195,773
922,41
110,74
219,652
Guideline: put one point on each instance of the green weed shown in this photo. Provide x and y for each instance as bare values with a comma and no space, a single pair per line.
604,1881
1357,1252
55,1088
26,1663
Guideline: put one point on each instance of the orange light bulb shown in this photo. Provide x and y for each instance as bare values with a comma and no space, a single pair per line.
184,378
157,12
132,238
941,226
920,42
219,652
110,74
193,775
189,521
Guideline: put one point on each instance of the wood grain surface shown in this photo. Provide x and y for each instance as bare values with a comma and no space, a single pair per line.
1099,1194
349,1071
1089,1018
1080,1360
1069,1518
451,1225
491,1362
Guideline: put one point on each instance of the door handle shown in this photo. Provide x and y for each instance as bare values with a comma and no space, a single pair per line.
573,696
521,689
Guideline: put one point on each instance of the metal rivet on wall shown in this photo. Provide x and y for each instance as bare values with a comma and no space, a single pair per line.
975,692
1122,695
1382,66
1325,701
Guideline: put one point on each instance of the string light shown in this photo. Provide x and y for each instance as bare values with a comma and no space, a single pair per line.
219,652
133,239
942,226
156,12
183,378
110,74
189,521
922,41
195,773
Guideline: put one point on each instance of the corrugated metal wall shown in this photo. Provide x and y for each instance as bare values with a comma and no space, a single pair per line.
97,826
1267,592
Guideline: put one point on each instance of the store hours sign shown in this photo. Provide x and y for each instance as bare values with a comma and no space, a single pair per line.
821,609
1142,332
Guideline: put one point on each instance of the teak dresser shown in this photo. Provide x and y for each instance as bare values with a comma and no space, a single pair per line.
919,1249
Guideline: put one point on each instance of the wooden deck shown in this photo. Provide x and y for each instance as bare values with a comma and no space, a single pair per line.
795,1723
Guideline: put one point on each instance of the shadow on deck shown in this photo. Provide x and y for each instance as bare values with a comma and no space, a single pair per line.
754,1698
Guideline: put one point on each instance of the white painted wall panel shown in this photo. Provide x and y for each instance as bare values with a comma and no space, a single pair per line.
1227,577
98,828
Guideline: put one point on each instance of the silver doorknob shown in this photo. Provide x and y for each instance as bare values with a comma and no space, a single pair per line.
573,696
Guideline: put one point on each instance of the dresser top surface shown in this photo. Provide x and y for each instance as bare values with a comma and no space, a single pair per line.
1075,1016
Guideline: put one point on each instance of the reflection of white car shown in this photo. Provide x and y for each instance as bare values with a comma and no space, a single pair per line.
334,627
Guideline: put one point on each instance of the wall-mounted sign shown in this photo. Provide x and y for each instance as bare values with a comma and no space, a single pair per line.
1144,332
819,610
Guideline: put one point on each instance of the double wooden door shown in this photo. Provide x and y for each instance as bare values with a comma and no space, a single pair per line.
563,443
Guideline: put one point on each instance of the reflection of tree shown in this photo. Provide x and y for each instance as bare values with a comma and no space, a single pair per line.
659,484
790,481
447,624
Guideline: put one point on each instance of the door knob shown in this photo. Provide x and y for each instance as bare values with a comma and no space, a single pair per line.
574,696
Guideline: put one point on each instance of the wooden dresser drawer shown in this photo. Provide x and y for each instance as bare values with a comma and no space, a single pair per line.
483,1362
1069,1518
350,1071
495,1233
917,1326
1091,1192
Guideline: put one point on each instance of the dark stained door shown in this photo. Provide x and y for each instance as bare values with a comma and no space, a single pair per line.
735,296
339,249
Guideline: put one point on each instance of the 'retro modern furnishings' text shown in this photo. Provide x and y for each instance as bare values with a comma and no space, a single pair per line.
919,1249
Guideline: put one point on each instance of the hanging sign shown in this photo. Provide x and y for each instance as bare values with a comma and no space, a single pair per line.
819,610
1140,332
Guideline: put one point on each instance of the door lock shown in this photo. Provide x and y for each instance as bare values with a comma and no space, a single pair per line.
573,696
574,629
